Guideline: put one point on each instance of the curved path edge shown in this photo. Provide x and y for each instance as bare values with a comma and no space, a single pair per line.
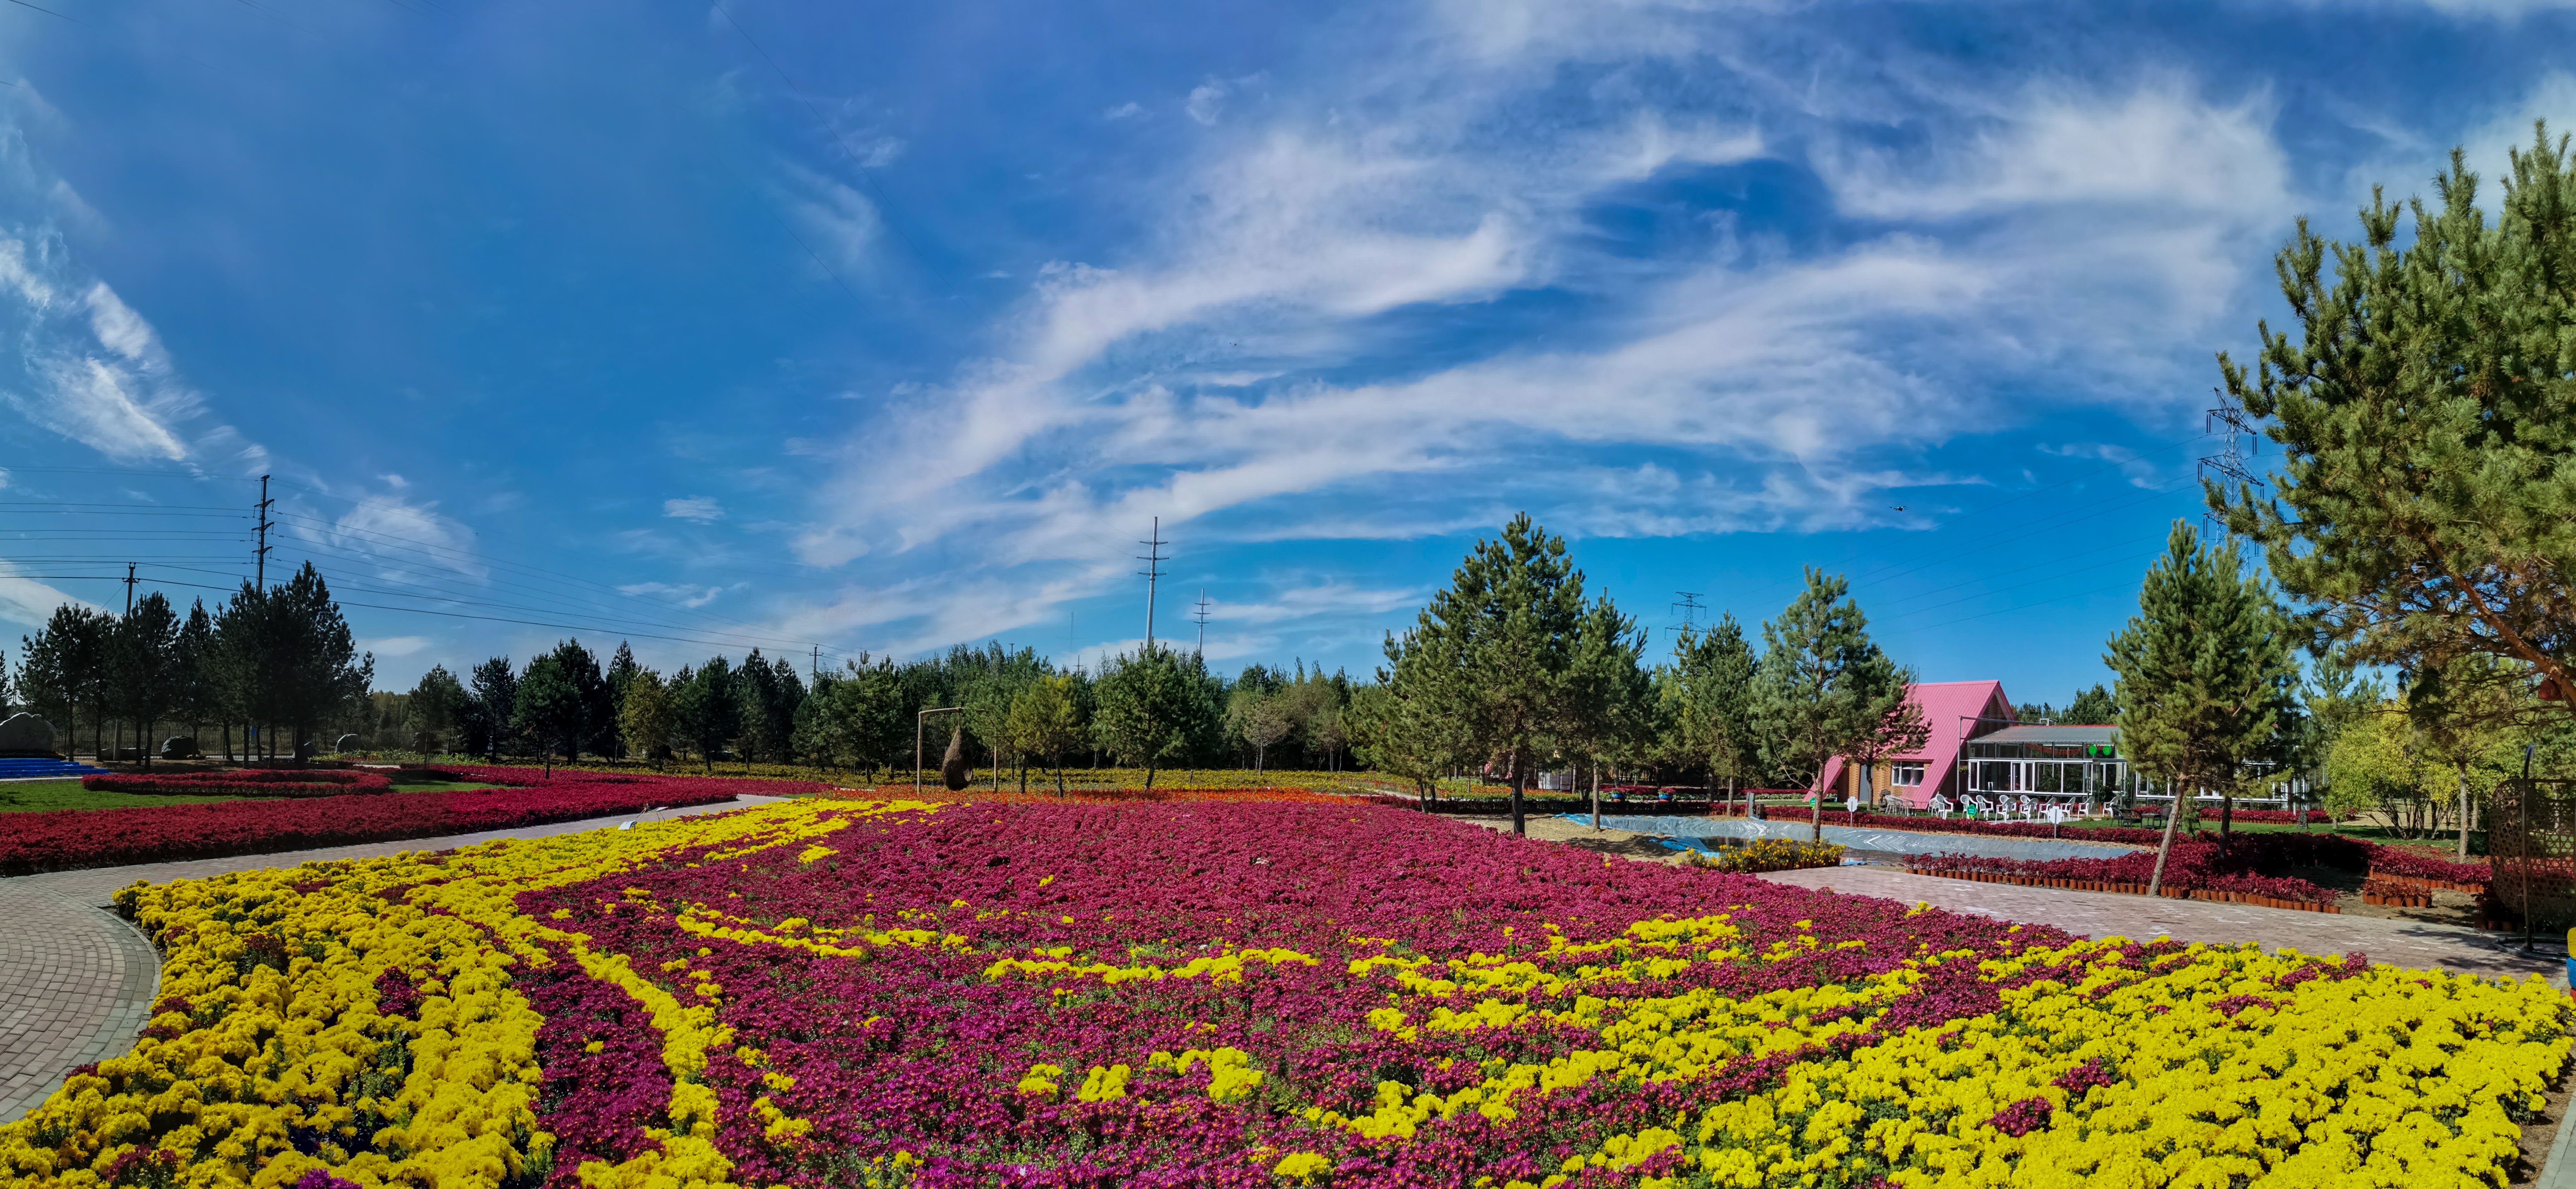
78,987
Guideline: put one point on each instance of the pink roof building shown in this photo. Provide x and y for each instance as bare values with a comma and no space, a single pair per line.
1957,711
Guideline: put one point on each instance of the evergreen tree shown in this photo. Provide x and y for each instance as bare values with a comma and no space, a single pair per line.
1387,737
1490,657
496,693
1823,689
2205,678
606,738
2094,707
143,661
316,671
1710,696
59,665
438,706
706,708
1153,708
1607,713
644,718
560,699
197,697
2426,501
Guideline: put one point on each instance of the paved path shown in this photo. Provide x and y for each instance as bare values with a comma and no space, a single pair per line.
98,885
75,984
2416,944
2104,914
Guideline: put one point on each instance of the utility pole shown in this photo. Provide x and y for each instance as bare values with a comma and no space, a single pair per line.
1153,572
262,552
817,673
2229,418
1690,607
129,589
1202,617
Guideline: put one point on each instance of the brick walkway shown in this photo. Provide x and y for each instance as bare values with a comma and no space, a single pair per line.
75,984
76,981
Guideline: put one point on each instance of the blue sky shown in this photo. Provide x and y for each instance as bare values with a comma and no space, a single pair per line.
877,328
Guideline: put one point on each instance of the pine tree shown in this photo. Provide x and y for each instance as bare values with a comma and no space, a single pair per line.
2206,683
1711,695
1490,657
644,719
1608,708
143,652
496,692
2093,707
706,708
2425,504
1823,689
438,705
606,739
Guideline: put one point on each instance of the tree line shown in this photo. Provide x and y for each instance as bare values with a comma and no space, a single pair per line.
277,664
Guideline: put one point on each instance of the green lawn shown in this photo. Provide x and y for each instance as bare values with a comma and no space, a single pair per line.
36,796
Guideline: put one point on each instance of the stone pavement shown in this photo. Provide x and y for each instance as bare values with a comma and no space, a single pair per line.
2103,914
76,981
2414,944
98,885
75,986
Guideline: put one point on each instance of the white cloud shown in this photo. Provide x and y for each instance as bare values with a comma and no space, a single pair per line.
395,646
29,602
1206,102
1122,111
2043,224
404,541
700,508
841,221
682,594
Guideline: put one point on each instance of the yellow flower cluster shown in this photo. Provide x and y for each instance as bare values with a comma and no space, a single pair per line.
2220,1065
269,1026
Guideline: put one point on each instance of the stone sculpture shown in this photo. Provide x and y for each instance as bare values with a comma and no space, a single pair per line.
954,770
26,735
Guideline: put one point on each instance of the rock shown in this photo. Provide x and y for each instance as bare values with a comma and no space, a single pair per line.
347,744
26,734
954,770
178,747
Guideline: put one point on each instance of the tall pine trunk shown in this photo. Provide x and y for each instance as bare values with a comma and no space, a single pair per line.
1520,780
2164,846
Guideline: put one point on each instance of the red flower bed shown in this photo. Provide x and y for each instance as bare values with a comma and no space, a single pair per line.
2426,871
246,782
72,839
2198,867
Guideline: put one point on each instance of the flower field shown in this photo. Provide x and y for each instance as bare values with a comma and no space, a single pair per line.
876,993
73,839
249,782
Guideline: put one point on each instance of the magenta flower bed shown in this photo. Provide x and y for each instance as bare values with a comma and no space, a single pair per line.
73,839
930,1057
247,782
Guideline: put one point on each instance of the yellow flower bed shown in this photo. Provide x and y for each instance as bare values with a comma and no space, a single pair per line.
267,1030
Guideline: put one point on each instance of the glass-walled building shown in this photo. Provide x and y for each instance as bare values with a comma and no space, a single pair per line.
2082,766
